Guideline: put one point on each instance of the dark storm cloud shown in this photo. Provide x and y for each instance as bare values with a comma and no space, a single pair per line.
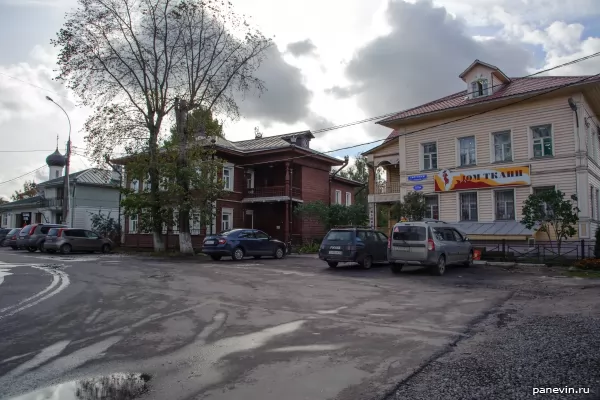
302,48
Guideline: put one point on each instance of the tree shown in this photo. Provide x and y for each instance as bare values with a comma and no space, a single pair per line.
412,207
333,215
597,246
550,212
29,190
106,226
129,60
3,200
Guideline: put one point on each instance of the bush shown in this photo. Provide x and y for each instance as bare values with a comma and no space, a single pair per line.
597,247
592,264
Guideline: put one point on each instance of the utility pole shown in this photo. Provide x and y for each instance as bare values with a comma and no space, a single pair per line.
67,199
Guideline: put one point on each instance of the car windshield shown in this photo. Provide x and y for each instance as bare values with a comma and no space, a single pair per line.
13,231
26,230
407,232
339,236
228,233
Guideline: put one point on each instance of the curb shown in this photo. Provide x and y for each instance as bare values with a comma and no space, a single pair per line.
508,264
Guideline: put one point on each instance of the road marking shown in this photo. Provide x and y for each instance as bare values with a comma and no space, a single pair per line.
45,355
312,347
334,311
55,281
16,357
92,317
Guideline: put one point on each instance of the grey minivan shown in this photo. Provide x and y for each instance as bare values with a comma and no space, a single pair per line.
433,244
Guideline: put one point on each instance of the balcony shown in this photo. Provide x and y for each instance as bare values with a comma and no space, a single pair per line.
385,192
53,203
274,193
387,188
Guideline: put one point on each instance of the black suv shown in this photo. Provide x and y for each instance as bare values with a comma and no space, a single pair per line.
354,244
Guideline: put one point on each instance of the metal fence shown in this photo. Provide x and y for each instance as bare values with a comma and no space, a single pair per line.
538,251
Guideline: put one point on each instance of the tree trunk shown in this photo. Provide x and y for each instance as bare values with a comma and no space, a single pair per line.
183,179
159,245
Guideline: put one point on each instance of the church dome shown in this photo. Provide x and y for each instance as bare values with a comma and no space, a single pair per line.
56,159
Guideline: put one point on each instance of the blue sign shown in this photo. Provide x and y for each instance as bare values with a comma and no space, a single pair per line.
417,178
418,187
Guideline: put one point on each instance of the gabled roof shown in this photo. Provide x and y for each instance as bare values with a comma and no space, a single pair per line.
515,88
90,176
497,70
31,201
346,180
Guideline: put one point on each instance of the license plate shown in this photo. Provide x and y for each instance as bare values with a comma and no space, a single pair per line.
335,252
209,242
21,237
398,248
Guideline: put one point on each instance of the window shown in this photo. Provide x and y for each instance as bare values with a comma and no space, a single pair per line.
430,156
457,236
502,146
228,178
133,224
4,219
260,235
176,221
408,232
135,185
338,197
382,237
479,88
545,208
592,205
56,174
597,203
505,205
542,140
432,207
466,151
91,235
250,180
226,219
195,219
339,236
444,234
348,198
246,235
468,206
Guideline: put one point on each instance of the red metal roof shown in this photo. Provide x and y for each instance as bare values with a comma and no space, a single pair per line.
517,86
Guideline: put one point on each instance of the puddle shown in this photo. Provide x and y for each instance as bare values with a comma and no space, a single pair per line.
111,387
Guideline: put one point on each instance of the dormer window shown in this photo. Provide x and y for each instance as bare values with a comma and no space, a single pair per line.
479,88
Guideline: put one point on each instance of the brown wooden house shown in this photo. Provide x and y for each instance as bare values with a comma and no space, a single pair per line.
265,179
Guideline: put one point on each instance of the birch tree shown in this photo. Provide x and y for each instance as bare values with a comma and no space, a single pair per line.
129,60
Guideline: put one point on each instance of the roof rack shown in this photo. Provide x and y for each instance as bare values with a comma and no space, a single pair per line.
351,227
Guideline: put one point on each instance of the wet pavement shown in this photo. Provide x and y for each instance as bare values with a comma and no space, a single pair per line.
256,329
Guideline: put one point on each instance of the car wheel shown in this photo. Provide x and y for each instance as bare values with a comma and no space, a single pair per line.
65,248
31,249
105,248
367,262
396,268
332,264
440,267
238,254
14,247
41,247
257,257
469,262
279,253
215,258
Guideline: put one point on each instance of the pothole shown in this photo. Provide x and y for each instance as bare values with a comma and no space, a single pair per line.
119,386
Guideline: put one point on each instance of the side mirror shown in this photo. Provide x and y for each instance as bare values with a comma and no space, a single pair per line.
466,239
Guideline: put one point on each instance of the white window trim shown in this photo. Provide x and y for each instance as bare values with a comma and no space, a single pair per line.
214,222
437,197
227,211
131,219
530,139
494,191
457,151
458,208
348,198
231,170
338,192
195,225
422,155
251,178
492,146
135,185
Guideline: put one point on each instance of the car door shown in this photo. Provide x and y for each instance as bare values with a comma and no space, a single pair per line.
382,245
461,245
265,246
371,242
94,242
248,242
77,239
448,241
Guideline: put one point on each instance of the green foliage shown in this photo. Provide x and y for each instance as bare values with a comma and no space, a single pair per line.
550,212
592,264
310,248
597,247
105,225
412,207
333,215
29,190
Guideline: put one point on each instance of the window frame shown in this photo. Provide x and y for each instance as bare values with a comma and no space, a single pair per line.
250,180
4,219
422,156
460,213
229,213
229,186
195,223
532,141
493,136
459,151
495,199
348,198
437,205
133,220
338,199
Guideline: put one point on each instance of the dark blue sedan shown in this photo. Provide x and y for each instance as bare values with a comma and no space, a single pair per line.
240,243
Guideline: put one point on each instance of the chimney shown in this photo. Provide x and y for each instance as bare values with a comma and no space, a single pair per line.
257,133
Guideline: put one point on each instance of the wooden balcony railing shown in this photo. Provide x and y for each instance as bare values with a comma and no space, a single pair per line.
272,191
387,188
58,202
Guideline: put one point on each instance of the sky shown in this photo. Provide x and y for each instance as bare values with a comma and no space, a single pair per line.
333,62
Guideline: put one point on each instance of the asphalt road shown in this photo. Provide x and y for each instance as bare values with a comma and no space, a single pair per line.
292,329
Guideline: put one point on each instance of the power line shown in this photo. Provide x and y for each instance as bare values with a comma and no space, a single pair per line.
33,85
29,173
429,127
23,151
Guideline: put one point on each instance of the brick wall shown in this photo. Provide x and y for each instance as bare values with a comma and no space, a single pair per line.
344,188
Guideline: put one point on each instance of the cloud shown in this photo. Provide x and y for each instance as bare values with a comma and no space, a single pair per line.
419,60
286,98
340,92
302,48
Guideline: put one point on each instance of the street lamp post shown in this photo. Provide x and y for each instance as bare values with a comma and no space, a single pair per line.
66,202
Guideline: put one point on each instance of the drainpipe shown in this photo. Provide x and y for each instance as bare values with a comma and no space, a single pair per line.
332,175
73,207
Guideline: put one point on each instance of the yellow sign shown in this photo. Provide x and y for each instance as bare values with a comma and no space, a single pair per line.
447,180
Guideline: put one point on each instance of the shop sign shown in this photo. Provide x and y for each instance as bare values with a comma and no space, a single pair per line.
447,180
415,178
418,187
372,215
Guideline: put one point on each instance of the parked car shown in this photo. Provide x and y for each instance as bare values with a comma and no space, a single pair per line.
3,234
32,237
433,244
361,245
67,240
240,243
11,238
